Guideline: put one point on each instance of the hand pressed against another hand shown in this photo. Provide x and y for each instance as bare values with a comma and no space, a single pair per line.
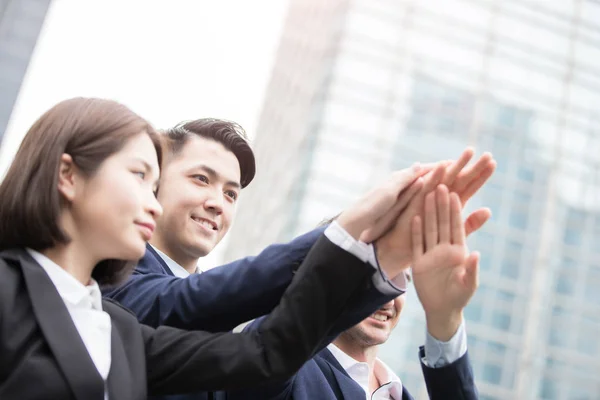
444,274
394,250
382,205
466,181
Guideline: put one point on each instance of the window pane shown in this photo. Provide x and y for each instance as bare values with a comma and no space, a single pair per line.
491,373
510,269
548,389
501,320
565,284
473,312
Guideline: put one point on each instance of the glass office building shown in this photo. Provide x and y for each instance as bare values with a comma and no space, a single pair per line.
362,87
20,25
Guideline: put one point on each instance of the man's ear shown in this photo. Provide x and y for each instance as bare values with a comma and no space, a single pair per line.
66,177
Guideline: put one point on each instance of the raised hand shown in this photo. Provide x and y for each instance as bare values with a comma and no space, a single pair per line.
445,276
387,220
466,181
394,250
382,205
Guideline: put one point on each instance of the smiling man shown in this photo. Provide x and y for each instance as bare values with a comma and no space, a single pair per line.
200,185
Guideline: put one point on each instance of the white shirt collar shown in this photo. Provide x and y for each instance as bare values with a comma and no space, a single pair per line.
69,288
344,359
391,384
175,268
359,371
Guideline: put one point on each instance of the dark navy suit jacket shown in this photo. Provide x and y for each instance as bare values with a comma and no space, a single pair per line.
217,300
220,299
323,378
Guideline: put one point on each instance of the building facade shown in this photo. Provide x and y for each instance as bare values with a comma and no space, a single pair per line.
20,25
363,87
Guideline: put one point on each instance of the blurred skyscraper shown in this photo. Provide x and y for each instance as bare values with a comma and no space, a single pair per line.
362,87
20,25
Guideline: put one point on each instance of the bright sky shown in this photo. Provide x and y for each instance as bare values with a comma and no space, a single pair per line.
168,60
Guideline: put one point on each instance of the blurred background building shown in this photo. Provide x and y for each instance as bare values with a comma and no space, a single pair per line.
363,87
20,25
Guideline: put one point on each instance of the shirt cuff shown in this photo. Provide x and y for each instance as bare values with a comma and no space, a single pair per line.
338,236
382,282
439,354
366,253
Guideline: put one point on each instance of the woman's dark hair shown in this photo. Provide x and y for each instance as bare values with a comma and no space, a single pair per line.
88,129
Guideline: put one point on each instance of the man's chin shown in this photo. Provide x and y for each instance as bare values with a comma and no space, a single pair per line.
202,249
202,245
378,337
373,335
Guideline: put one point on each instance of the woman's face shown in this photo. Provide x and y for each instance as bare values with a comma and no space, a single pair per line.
115,210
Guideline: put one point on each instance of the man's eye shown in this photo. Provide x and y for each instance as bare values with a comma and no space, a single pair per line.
141,174
231,194
201,178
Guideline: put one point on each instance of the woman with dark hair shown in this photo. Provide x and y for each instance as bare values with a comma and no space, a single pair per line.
77,207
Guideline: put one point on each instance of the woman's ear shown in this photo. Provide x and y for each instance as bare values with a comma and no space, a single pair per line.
66,177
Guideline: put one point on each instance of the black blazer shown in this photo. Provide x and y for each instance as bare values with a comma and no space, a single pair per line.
43,357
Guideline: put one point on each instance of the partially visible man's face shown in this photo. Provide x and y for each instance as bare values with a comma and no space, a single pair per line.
198,191
377,328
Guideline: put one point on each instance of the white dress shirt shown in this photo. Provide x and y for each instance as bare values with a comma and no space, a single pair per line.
84,304
391,386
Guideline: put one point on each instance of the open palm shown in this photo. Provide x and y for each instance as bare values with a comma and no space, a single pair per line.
395,247
444,274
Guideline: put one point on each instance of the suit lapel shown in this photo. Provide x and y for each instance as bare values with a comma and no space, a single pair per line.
406,395
348,387
60,332
119,377
155,257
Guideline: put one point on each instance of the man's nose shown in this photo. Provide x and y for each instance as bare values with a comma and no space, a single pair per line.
388,305
214,203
